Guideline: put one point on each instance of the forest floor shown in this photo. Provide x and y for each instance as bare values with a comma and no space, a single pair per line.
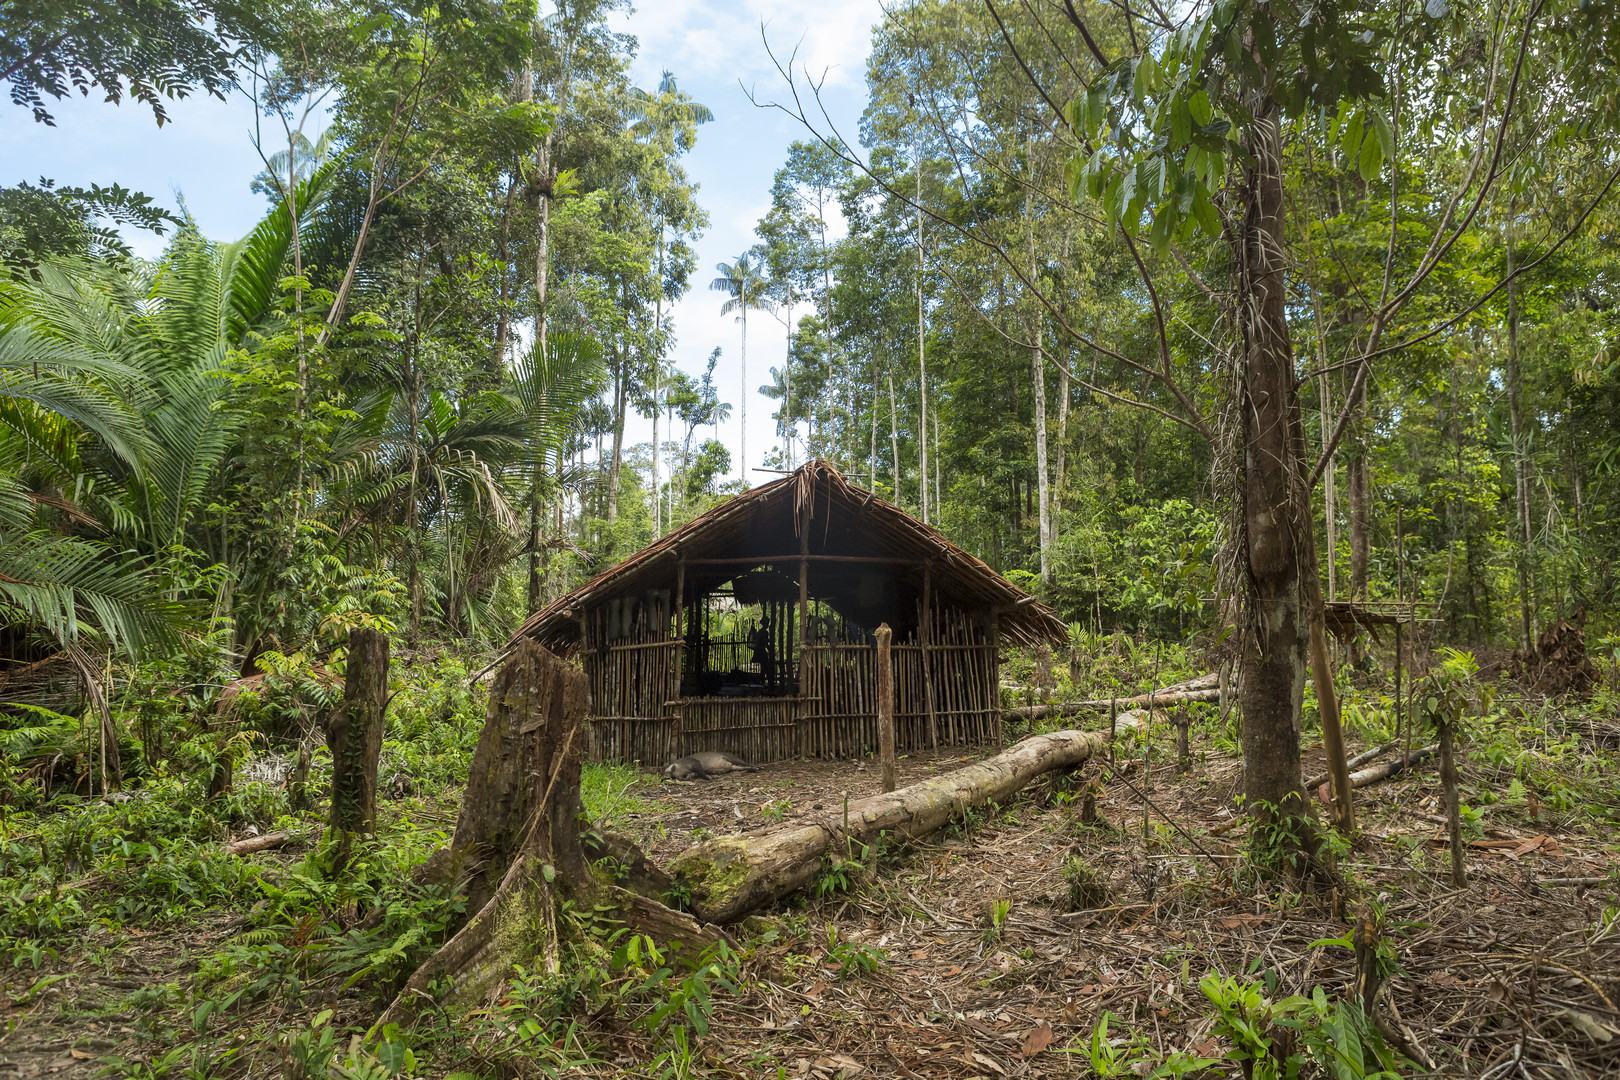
996,948
1505,970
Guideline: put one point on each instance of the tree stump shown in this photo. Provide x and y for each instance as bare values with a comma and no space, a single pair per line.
354,734
524,845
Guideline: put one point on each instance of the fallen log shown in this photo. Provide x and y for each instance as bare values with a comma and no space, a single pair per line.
1354,763
730,876
258,843
1384,771
1203,688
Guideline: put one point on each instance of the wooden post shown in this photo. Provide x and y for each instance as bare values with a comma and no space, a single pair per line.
885,705
1448,782
1400,615
995,671
925,637
354,733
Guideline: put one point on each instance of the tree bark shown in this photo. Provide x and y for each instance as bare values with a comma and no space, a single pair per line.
1279,549
525,846
732,875
354,734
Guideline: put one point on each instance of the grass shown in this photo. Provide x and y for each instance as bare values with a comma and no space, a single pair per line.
608,791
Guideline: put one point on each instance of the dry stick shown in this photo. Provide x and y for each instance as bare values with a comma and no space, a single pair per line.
1155,806
1147,732
1400,594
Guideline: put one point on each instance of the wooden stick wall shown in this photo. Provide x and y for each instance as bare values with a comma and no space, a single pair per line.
638,714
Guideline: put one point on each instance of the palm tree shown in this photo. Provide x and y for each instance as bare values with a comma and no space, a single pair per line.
672,112
746,287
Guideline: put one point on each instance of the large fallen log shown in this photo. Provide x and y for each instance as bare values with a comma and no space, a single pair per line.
729,876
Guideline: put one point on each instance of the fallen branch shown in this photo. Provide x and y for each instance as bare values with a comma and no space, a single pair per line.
1356,762
730,876
1203,688
258,843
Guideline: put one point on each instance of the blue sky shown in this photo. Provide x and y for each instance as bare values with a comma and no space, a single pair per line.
205,154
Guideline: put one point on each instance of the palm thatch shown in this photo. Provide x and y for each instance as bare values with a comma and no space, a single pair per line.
766,526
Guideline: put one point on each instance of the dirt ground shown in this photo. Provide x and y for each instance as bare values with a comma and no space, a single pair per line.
1505,977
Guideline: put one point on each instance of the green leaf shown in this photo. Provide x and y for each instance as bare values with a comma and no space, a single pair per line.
1371,159
1180,123
1198,107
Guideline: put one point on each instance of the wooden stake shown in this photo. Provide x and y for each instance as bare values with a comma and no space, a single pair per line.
1448,781
925,636
885,705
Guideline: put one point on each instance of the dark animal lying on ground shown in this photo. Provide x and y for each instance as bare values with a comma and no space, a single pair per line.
703,766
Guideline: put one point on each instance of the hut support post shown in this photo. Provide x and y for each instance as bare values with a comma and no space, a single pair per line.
885,705
805,688
925,636
995,672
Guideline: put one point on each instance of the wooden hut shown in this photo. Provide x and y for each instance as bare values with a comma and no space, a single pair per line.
750,629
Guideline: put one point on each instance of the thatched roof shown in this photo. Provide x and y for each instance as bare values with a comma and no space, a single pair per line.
845,522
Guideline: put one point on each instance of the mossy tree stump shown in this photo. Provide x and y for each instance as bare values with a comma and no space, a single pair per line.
524,844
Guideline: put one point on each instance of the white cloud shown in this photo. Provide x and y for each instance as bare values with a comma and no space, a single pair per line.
714,39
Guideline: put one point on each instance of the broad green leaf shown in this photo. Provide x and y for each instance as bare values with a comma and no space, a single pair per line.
1180,124
1371,159
1198,107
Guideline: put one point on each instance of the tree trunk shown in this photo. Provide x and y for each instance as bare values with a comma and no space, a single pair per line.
1279,548
742,401
1360,514
354,734
621,398
523,832
732,875
1521,467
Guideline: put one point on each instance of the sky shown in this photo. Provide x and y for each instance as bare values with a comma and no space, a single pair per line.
205,156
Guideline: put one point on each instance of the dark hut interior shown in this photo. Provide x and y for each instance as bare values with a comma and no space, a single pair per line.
750,629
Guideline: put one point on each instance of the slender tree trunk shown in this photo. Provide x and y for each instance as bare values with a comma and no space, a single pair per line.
621,397
894,438
1521,465
1360,512
1279,549
922,354
413,392
787,389
742,400
871,459
658,348
1329,479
